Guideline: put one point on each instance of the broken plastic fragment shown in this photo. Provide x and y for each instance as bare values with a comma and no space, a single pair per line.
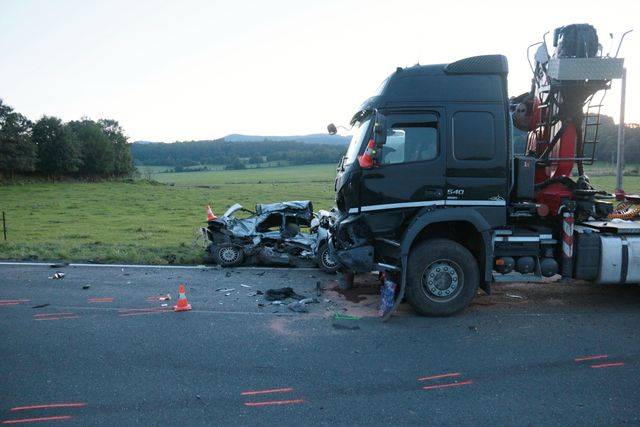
340,316
387,296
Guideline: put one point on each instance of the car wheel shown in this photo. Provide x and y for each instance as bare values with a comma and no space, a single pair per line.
228,255
326,262
442,277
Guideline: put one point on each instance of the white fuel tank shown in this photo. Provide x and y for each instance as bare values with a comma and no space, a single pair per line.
619,259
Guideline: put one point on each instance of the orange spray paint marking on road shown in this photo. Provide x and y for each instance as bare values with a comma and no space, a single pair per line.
607,365
106,299
447,385
274,402
49,406
35,420
435,377
594,357
54,316
12,301
273,390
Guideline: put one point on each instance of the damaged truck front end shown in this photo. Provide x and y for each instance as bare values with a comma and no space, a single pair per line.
353,242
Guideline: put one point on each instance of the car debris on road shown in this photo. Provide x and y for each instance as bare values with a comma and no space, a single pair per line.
271,235
281,294
57,275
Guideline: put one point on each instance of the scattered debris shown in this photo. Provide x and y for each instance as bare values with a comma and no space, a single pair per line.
318,288
277,302
261,274
163,305
41,305
301,306
281,293
166,297
245,286
514,296
225,289
340,316
298,307
344,327
260,304
85,287
57,275
254,293
59,265
387,295
473,328
227,274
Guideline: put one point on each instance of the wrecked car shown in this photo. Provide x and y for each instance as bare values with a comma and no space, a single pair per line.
272,235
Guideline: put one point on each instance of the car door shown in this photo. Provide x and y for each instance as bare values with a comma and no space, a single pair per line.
411,166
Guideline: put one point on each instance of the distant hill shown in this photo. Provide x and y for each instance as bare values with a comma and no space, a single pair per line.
237,153
146,142
316,138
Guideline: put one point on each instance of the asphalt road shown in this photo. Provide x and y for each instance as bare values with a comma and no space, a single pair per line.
112,355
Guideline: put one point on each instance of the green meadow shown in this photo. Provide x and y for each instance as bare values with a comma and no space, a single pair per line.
154,222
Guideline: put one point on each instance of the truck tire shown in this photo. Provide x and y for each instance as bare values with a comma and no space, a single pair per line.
228,255
442,277
326,261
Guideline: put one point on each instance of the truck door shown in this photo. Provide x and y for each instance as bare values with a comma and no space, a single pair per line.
411,164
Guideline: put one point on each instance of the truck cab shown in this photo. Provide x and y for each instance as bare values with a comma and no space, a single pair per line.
427,171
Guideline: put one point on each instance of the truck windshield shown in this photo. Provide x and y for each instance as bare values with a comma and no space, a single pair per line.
360,128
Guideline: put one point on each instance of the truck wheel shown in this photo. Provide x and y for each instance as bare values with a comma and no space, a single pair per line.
442,277
228,255
326,261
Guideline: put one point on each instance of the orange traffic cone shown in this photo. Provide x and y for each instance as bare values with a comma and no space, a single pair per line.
210,215
183,304
366,159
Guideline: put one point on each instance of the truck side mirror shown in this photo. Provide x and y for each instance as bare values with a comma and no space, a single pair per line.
332,129
380,130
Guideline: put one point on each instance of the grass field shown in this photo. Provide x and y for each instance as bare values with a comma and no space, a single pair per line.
142,222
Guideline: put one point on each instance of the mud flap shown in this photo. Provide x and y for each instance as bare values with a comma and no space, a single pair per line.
486,287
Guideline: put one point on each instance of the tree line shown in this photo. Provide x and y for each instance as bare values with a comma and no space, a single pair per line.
52,148
190,154
229,153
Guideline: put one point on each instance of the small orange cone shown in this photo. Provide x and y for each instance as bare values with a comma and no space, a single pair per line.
210,215
183,304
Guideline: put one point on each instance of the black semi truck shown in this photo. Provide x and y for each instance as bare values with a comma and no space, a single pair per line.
433,191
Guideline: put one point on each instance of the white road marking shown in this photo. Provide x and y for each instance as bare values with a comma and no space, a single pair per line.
183,267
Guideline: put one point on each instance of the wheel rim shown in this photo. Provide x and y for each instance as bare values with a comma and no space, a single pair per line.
229,254
442,280
327,260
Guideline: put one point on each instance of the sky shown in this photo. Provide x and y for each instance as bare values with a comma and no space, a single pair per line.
202,69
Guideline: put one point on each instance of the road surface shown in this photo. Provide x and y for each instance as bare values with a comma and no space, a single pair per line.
112,354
